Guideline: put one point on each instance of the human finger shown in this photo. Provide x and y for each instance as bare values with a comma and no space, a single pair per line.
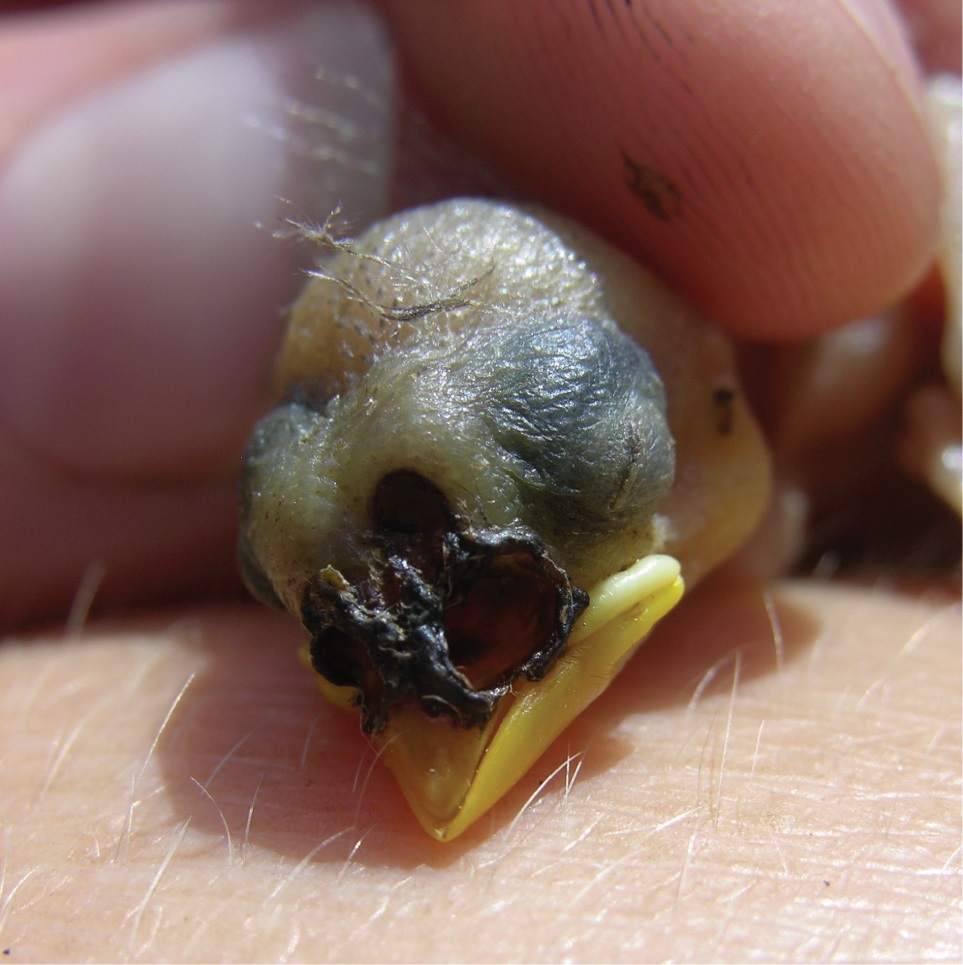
149,153
140,283
772,162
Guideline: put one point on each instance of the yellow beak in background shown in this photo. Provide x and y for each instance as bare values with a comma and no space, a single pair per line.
451,776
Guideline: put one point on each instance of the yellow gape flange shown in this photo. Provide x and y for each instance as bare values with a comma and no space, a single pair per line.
451,776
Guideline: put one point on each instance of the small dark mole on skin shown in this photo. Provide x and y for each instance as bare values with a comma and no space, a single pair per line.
825,882
659,195
722,400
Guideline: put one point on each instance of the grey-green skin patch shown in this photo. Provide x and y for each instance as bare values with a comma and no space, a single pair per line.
435,524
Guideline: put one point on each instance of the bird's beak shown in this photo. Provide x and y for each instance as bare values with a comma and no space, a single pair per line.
452,775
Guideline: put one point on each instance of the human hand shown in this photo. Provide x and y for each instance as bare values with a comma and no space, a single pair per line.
145,485
146,148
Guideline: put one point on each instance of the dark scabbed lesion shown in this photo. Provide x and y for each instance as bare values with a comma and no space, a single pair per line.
442,616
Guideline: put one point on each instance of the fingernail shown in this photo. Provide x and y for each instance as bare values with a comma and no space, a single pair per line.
140,279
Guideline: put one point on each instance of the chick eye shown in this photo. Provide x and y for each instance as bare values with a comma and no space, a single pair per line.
582,410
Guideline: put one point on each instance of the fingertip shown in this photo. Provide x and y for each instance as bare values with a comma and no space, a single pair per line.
51,55
141,284
771,162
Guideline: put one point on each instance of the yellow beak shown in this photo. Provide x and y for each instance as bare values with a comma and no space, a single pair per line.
452,776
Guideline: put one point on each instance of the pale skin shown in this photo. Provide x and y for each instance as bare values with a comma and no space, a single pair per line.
774,776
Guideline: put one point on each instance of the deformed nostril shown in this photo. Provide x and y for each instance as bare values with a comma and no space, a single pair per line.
496,609
406,502
504,622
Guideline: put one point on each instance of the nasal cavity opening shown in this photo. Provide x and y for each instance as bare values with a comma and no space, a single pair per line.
503,621
406,502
